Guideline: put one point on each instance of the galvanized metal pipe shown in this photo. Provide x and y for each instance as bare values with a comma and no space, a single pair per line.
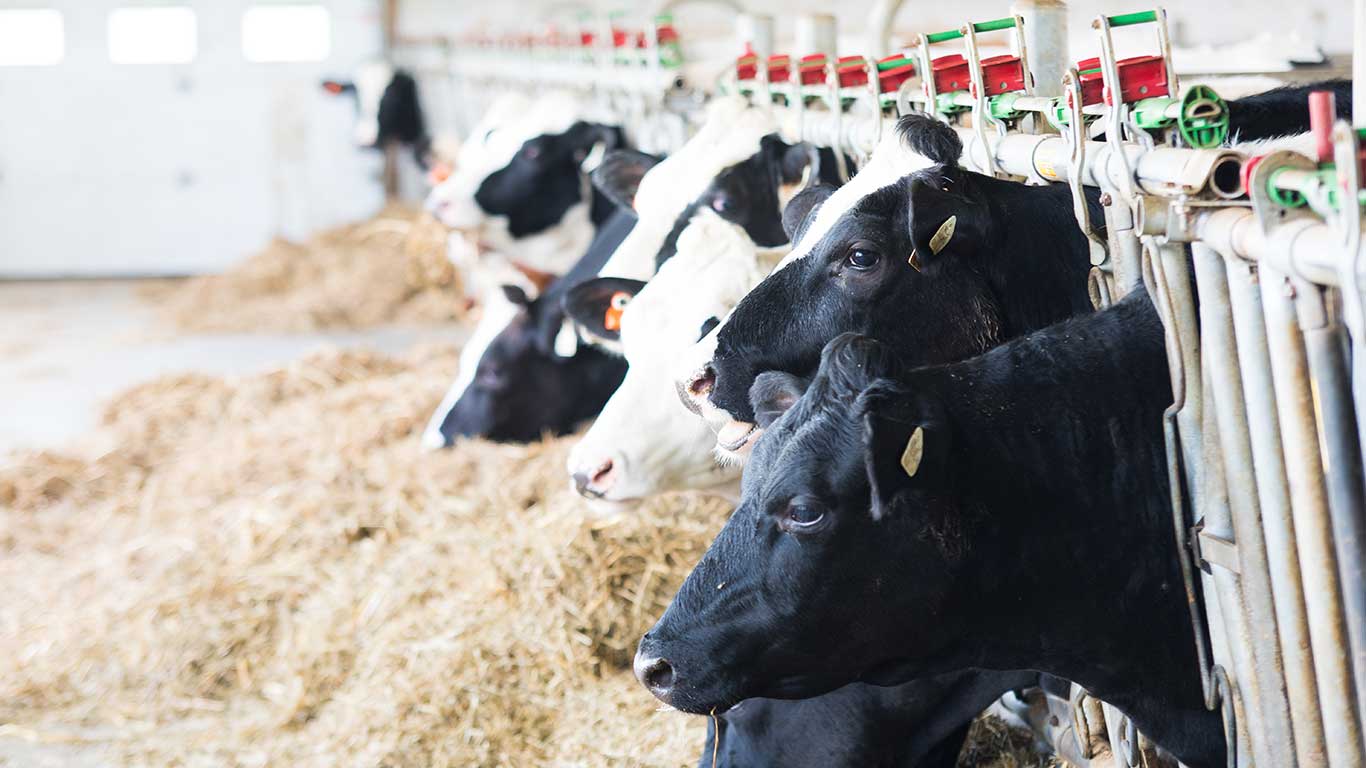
1325,345
1273,497
1273,740
1313,536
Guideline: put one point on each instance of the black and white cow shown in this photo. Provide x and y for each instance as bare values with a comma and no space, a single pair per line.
523,380
388,108
939,262
893,521
709,220
521,185
1282,111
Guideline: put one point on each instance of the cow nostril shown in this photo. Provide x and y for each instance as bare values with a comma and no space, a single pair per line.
580,483
603,478
701,384
659,677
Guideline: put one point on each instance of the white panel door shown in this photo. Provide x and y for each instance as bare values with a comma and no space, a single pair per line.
155,168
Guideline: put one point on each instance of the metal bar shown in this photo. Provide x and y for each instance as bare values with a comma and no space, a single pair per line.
1273,496
1272,739
1309,508
1341,457
1129,19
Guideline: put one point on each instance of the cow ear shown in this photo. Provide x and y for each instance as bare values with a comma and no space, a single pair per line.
800,209
516,294
596,305
850,363
800,164
931,138
942,220
618,176
591,143
773,393
904,448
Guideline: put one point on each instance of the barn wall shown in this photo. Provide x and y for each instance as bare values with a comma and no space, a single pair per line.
117,169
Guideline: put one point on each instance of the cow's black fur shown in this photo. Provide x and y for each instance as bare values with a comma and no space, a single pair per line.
1039,504
1282,111
745,194
545,179
522,388
1016,262
921,724
400,117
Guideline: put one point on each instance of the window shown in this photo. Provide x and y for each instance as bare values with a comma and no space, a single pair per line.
286,33
153,35
31,38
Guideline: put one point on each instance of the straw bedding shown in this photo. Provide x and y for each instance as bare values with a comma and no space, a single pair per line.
266,571
391,269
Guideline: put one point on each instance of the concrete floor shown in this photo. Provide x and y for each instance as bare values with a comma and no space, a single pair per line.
65,347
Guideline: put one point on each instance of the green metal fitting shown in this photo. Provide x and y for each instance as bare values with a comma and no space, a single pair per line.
944,104
1203,121
1129,19
1003,107
1286,198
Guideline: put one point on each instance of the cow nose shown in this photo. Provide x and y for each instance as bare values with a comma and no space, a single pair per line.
657,675
696,388
596,480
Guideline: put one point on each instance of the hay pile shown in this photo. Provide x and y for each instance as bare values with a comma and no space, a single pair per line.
267,572
392,269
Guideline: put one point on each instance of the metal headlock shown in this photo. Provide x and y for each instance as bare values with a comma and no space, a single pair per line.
1268,368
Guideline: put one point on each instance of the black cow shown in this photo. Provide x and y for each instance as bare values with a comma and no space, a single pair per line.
522,386
892,522
941,264
1282,111
921,724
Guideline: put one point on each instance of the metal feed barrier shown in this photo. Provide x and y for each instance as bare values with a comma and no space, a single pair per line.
1268,368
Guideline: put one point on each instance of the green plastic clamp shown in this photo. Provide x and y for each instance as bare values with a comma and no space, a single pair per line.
1003,107
944,104
1151,114
1286,198
1203,132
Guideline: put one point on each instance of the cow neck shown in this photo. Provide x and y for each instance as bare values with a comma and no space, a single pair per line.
1067,423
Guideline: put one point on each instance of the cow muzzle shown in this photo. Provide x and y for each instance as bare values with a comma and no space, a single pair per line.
596,479
655,673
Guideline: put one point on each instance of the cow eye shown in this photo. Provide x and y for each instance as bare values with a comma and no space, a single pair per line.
800,517
862,257
531,152
722,203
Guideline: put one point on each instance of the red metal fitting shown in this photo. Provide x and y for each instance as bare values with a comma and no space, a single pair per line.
1322,111
811,69
893,71
1245,174
1002,74
1140,77
950,73
851,71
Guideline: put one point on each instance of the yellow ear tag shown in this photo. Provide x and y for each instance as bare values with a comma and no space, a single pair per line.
943,235
914,261
915,451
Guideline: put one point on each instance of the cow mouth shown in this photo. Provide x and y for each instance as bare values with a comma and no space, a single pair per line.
736,436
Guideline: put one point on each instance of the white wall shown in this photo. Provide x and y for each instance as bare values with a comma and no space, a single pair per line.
112,169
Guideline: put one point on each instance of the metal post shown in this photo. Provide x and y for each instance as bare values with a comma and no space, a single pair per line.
1313,536
1045,32
1325,348
1272,739
1273,497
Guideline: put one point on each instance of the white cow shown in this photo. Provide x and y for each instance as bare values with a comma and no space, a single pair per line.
644,442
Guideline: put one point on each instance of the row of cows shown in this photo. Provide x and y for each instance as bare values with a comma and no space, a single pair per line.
949,470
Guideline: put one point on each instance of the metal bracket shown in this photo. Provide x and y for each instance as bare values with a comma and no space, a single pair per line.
1209,550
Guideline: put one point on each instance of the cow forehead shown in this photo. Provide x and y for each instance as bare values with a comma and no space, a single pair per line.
513,120
732,133
891,162
715,266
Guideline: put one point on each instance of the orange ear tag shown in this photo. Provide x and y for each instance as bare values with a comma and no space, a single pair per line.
612,319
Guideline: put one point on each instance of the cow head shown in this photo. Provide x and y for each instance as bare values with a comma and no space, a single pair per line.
735,166
521,186
837,562
644,443
514,384
938,262
388,107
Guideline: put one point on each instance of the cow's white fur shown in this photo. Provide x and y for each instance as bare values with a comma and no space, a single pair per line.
655,445
509,122
890,162
371,79
498,313
730,134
